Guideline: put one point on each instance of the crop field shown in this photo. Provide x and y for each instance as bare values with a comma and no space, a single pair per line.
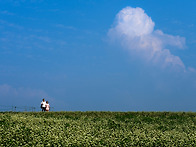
97,129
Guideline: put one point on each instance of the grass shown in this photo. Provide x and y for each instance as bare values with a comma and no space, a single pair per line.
98,129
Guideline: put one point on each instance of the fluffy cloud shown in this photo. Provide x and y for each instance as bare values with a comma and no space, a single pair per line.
134,29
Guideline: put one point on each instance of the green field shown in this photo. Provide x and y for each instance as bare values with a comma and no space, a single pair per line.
97,129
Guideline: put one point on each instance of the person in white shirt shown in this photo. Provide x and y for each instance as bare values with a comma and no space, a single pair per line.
47,106
43,105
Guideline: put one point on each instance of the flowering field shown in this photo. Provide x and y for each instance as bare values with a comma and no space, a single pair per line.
97,129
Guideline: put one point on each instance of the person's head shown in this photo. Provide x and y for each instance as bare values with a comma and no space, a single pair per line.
46,102
43,100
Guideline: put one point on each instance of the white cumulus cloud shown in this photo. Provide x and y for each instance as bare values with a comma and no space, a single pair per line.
134,29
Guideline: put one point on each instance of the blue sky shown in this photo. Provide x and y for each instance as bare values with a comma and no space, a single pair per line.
87,55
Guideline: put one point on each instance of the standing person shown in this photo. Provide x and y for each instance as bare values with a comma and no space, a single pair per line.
47,106
43,105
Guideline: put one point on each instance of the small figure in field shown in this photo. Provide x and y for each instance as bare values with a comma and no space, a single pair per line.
43,105
47,106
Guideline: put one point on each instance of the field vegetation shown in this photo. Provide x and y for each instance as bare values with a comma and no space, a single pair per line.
97,129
